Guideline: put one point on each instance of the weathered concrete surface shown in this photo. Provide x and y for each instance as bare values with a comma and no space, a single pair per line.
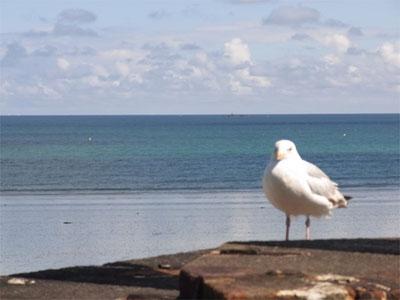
320,269
151,278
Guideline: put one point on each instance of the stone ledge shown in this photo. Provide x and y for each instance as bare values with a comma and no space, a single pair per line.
337,269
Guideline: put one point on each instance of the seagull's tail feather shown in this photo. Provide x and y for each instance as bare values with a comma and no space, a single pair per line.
340,202
343,202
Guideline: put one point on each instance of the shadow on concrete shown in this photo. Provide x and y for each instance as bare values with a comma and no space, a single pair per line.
379,246
123,274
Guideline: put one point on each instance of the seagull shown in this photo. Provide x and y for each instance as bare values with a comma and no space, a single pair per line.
298,187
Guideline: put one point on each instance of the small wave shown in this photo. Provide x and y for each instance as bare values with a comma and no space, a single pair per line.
112,191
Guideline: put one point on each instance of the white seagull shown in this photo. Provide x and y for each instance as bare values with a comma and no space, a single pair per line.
298,187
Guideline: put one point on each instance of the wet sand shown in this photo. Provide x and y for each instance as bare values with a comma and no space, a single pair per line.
56,231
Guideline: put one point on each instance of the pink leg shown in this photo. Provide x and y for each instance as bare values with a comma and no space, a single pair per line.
287,226
308,228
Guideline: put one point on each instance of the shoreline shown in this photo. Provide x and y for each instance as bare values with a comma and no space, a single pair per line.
129,191
158,277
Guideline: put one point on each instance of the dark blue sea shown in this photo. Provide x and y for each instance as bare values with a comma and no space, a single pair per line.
136,186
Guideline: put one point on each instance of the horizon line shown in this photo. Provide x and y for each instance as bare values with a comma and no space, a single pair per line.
185,114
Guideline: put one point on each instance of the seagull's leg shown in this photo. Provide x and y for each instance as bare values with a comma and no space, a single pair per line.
308,228
287,226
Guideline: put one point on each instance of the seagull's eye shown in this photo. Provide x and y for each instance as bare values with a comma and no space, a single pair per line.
290,149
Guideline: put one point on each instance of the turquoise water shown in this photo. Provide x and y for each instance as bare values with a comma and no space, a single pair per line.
139,186
136,153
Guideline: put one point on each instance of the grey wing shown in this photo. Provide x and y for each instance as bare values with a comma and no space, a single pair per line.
314,171
321,184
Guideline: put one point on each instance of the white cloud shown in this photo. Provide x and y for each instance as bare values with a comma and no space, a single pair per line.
198,67
237,87
93,81
130,72
241,80
63,64
237,52
100,71
335,82
346,77
253,80
122,68
202,59
6,88
331,59
121,54
354,74
390,52
339,41
48,91
295,63
37,90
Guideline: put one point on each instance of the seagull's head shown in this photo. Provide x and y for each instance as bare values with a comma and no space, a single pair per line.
285,149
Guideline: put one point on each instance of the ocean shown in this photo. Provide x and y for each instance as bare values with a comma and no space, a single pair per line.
79,190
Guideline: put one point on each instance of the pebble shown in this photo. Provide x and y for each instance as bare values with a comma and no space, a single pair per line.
164,266
20,281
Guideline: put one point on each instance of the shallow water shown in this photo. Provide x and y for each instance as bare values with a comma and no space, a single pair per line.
109,227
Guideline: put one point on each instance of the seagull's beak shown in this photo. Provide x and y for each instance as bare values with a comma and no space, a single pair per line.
279,154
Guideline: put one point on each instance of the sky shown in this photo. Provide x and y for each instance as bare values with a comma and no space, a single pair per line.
87,57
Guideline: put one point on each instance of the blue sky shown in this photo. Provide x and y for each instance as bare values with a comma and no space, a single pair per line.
199,57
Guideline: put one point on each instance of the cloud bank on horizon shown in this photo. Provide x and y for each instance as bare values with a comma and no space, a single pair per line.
212,56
